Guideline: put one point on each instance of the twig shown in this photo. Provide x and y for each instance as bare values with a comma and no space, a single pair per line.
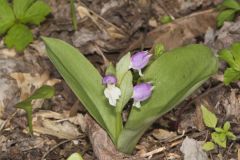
7,120
56,146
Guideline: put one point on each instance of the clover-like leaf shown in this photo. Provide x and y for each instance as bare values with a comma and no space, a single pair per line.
226,15
7,17
209,119
208,146
18,37
31,11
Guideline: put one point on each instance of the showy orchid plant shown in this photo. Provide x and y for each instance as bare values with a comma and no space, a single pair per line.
160,83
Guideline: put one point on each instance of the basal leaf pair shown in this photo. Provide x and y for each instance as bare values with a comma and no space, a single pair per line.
174,75
14,19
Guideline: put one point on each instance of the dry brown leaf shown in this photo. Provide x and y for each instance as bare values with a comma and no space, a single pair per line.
56,124
27,81
162,134
63,130
182,31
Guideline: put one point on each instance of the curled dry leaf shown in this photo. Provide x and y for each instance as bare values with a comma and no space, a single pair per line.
55,124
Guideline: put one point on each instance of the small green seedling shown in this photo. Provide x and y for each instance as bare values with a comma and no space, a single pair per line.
220,135
159,49
232,57
166,19
75,156
15,18
228,10
44,92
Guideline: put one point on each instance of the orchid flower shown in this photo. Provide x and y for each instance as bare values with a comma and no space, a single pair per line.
139,60
141,92
112,92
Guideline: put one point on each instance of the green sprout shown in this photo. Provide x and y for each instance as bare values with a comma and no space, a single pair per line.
44,92
220,135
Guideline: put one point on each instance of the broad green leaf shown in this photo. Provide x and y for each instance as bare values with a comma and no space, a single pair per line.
36,13
226,15
110,70
226,126
126,88
84,80
232,4
227,56
231,136
20,7
209,119
175,75
122,67
231,75
208,146
18,37
44,92
7,17
220,139
75,156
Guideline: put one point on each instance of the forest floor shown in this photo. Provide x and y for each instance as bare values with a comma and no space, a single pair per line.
107,29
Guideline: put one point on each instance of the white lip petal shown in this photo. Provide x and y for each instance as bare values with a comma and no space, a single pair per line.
137,104
113,93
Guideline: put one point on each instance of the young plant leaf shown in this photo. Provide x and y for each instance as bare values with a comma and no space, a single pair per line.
122,67
226,126
75,156
166,19
231,4
36,13
174,75
209,119
20,7
110,70
219,130
227,56
208,146
220,139
84,80
226,15
159,50
18,37
231,75
126,88
44,92
231,136
7,17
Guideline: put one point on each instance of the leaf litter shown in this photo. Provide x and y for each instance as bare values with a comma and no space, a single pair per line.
103,29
